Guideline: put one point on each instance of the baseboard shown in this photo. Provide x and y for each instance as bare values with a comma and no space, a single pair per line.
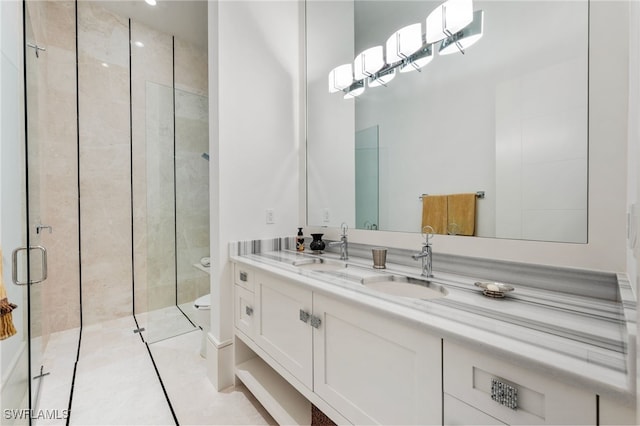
220,362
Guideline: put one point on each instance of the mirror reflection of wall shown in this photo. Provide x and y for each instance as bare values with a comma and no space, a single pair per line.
509,117
367,178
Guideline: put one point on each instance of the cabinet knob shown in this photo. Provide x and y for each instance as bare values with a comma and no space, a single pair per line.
243,276
248,310
304,316
315,321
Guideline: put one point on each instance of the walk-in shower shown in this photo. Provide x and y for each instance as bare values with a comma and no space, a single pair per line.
107,164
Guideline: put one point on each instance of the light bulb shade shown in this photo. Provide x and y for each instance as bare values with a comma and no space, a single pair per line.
356,89
403,43
382,78
464,38
340,78
448,18
368,63
418,60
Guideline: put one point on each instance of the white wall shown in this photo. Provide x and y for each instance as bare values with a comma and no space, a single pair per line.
541,154
330,134
254,110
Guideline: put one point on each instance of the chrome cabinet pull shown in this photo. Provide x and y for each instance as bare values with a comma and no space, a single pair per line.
504,394
248,310
304,316
14,265
315,321
243,276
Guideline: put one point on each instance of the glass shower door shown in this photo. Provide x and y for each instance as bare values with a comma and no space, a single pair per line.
14,349
34,58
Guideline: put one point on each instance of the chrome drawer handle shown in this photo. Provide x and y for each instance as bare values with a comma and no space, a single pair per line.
243,276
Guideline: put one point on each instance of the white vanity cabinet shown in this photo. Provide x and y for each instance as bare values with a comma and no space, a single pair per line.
297,345
541,399
367,367
374,369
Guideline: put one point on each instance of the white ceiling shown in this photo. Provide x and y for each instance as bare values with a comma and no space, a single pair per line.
185,19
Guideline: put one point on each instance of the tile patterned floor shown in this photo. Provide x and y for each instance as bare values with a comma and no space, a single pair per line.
192,395
165,323
116,383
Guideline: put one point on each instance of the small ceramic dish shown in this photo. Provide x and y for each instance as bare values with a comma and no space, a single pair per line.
493,289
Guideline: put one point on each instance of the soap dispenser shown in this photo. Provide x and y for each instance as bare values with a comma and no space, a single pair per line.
300,241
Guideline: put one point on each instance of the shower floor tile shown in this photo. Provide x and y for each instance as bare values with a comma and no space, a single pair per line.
164,323
117,384
58,360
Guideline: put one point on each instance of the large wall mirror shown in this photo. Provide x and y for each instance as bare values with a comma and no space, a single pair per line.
507,119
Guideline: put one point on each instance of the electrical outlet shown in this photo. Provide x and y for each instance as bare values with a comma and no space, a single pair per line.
325,215
271,216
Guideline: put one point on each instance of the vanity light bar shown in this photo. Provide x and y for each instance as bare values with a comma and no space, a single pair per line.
454,24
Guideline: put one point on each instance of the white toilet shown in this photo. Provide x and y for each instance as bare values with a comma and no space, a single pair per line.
203,318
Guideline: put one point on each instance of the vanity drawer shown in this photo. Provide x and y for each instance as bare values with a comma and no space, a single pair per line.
244,276
468,376
457,412
243,310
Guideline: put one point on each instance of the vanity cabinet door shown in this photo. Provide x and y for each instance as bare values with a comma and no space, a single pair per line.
374,369
279,329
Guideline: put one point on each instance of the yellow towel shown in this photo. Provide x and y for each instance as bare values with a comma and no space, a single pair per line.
462,214
434,213
6,319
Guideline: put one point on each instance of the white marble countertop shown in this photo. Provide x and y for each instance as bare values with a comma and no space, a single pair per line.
583,340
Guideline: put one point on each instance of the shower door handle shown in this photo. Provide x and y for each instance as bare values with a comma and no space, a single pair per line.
14,265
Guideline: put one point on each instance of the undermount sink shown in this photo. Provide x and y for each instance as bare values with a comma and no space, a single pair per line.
319,264
398,285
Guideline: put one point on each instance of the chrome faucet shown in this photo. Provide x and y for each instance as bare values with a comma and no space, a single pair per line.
343,243
426,253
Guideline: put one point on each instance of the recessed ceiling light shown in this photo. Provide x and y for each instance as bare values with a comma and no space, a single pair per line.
106,65
151,2
139,43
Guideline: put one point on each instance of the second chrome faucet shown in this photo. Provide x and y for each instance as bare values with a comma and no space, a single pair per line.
343,243
426,253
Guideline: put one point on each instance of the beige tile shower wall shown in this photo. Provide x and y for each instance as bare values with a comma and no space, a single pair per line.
59,171
192,171
105,173
53,164
36,74
153,201
191,68
192,194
